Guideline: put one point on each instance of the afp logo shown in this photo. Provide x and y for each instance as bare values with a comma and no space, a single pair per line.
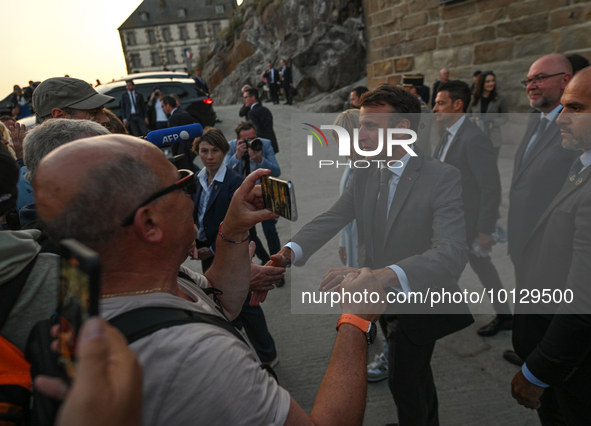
344,140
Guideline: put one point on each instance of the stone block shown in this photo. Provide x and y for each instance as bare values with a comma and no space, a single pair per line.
486,17
381,17
394,80
574,38
464,56
443,41
422,32
434,15
444,58
382,68
374,55
400,11
527,25
423,45
422,5
493,52
369,70
533,45
520,9
460,9
423,61
370,6
378,43
404,64
374,82
456,24
493,4
393,27
394,50
569,16
414,21
472,36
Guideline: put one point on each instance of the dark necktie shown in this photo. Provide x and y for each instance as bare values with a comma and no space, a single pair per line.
443,144
132,97
574,171
381,214
539,132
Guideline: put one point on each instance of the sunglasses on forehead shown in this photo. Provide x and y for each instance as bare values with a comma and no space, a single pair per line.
186,182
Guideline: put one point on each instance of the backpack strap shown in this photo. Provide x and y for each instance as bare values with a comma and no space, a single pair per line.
11,290
142,322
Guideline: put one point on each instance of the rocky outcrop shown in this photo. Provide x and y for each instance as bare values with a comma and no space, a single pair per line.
321,40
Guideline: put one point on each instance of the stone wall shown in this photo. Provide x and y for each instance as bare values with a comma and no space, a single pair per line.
505,36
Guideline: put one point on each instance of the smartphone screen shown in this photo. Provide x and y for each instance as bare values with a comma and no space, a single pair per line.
79,293
279,197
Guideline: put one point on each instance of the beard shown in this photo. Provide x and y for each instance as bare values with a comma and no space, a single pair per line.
541,104
582,142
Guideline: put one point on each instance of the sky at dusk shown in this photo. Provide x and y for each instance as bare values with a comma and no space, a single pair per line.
45,39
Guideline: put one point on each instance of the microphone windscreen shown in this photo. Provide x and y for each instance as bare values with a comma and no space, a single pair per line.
172,135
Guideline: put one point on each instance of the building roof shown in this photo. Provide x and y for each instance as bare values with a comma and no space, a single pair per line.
165,12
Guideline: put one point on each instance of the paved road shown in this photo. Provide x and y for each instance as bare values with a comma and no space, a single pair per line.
472,379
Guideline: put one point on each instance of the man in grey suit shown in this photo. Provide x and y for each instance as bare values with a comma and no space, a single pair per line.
555,339
541,163
411,234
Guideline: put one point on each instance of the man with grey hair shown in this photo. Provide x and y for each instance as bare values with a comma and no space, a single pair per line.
66,97
39,142
139,220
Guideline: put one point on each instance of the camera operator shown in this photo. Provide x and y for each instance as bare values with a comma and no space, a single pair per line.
156,115
248,153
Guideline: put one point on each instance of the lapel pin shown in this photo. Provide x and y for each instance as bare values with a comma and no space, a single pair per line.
408,178
215,187
579,181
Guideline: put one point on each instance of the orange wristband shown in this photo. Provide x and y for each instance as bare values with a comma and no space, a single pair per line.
360,323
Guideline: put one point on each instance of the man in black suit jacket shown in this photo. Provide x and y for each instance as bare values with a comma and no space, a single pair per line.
467,148
415,242
179,117
444,76
260,116
271,76
133,111
555,339
286,81
541,163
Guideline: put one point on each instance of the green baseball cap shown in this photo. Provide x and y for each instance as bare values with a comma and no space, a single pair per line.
64,92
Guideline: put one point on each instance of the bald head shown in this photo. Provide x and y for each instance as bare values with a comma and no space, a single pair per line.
547,78
85,188
444,74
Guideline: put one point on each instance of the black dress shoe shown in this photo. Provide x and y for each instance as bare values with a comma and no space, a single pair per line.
513,358
501,322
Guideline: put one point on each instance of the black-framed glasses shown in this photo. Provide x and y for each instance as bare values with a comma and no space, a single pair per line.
186,182
539,80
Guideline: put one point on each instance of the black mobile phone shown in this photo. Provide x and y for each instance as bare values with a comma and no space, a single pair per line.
80,277
279,197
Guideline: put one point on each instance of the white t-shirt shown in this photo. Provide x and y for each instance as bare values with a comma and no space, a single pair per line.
200,373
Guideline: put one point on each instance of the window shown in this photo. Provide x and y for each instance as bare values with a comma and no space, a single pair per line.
215,27
170,57
131,38
136,61
200,31
155,58
144,16
219,8
166,34
182,13
183,32
151,37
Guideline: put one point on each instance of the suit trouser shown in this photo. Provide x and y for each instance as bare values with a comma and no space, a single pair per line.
410,378
137,125
252,319
489,277
273,89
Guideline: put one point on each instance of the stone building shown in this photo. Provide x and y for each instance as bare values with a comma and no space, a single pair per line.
162,34
506,36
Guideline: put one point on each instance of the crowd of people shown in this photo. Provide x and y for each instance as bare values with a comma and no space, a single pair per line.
205,353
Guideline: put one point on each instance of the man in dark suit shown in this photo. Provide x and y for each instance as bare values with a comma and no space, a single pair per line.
260,116
178,117
444,76
465,147
286,81
200,84
271,76
555,338
133,111
541,163
412,234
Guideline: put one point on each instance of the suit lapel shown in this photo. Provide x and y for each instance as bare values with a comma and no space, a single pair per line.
405,184
547,138
372,188
217,186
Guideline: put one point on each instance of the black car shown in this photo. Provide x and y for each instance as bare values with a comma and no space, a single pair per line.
200,107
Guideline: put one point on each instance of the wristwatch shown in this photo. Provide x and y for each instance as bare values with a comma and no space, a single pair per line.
368,327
